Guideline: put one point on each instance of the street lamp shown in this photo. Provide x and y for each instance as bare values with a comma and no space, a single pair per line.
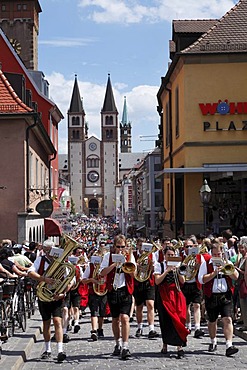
205,195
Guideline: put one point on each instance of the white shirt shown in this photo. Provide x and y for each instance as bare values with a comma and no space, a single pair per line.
219,284
121,277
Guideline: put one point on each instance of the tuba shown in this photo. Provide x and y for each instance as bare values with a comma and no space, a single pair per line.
62,272
99,289
144,266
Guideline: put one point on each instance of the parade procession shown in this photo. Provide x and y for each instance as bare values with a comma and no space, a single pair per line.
123,240
170,290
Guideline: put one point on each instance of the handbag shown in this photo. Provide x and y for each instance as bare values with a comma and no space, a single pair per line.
242,289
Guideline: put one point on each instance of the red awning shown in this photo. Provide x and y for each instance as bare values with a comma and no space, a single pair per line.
52,227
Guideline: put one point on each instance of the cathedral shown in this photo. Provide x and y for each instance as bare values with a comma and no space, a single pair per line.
93,164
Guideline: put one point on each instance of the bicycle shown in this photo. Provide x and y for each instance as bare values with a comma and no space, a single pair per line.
18,305
7,315
30,296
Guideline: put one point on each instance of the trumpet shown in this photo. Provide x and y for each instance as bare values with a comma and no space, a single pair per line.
227,267
128,267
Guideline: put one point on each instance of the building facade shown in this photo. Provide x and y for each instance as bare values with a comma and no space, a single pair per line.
202,103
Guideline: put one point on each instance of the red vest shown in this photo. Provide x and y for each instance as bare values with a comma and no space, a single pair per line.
129,280
208,287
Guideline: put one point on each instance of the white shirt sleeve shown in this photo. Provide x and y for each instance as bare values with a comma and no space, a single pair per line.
105,261
157,268
86,273
202,271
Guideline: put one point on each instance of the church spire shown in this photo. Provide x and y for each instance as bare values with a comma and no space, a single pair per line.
109,102
76,105
125,131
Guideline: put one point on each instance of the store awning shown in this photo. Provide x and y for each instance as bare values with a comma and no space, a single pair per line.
52,227
224,168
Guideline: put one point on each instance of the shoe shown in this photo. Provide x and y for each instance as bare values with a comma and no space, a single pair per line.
139,333
100,333
181,353
53,338
77,328
152,334
94,335
73,322
61,356
243,328
69,328
125,354
131,319
117,351
66,338
212,347
231,351
199,333
106,320
45,355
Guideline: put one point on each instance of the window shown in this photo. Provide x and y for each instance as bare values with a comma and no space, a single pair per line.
167,126
18,6
177,111
75,121
3,7
109,120
24,6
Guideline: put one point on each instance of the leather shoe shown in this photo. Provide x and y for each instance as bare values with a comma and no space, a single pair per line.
153,334
45,355
125,354
61,356
212,347
139,333
117,351
181,353
231,351
66,338
198,333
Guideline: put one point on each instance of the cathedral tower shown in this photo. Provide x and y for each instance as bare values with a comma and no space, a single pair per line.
77,133
109,137
125,131
20,22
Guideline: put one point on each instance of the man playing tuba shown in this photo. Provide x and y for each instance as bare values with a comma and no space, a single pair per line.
49,309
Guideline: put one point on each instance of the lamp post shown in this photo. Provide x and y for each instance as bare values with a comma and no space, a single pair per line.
205,195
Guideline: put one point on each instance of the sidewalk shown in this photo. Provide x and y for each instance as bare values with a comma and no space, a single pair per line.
16,349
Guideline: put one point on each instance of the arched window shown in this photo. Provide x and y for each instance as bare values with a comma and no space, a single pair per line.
75,121
109,120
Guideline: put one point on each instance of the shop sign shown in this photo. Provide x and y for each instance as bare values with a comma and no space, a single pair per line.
45,208
224,108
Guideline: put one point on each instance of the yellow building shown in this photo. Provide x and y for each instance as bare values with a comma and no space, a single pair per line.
203,120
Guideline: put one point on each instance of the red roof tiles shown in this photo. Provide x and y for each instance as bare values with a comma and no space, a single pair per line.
9,100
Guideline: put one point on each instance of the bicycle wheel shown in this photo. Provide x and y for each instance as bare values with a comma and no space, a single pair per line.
10,319
28,296
21,314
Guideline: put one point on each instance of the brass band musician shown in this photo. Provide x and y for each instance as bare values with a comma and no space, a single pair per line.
120,286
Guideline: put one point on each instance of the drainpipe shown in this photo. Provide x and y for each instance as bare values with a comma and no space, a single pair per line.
170,156
35,117
51,159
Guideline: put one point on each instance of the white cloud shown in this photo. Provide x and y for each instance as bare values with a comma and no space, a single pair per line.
141,106
67,42
133,11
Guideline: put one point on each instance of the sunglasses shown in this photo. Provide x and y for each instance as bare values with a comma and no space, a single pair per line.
120,246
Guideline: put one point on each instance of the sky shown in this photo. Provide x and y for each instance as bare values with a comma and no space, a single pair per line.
128,39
